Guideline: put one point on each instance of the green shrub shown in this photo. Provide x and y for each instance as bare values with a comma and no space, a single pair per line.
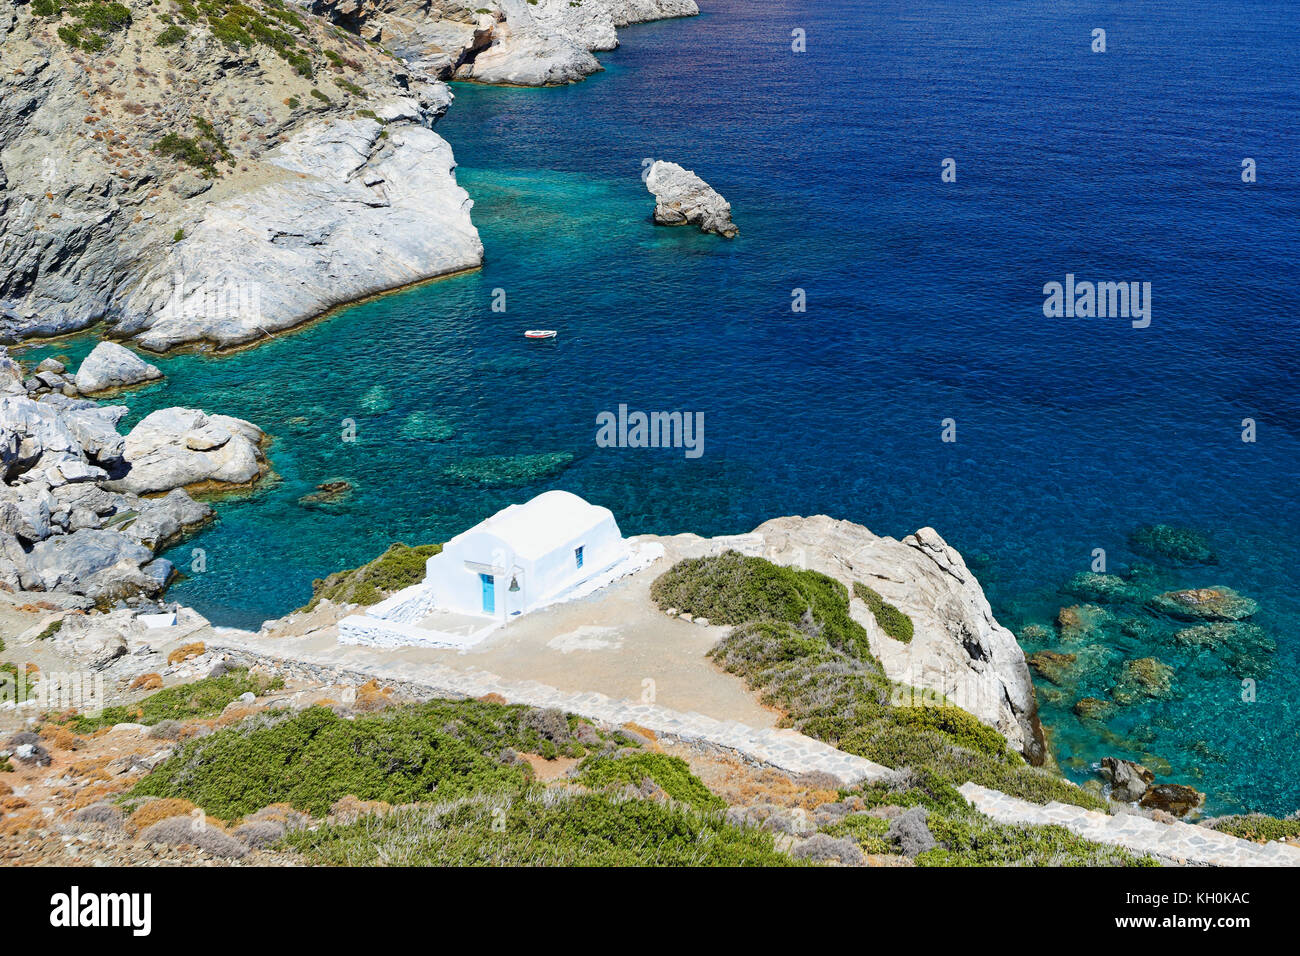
1258,827
671,774
398,567
320,96
975,840
178,235
539,828
349,86
202,698
203,151
732,588
434,751
795,644
171,35
892,621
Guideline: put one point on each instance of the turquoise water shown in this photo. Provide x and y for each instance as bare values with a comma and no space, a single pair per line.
924,303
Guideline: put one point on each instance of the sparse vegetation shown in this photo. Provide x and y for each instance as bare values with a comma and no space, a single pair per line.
795,643
541,828
90,23
1258,827
203,698
892,621
440,750
672,775
203,152
398,567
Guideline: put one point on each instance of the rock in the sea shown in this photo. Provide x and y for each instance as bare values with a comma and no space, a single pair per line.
109,366
1205,604
1081,621
1094,708
1173,798
1053,665
1144,677
1128,780
1102,588
185,447
1172,544
326,492
682,198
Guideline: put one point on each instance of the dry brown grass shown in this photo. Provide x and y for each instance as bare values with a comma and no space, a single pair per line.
350,809
234,714
154,810
186,651
59,737
147,682
21,822
95,792
370,696
5,789
11,803
493,698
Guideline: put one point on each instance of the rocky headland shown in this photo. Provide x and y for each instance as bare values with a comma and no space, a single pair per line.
85,510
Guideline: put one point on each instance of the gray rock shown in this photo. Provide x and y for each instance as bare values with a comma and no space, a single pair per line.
110,366
101,564
1128,780
162,521
178,447
683,198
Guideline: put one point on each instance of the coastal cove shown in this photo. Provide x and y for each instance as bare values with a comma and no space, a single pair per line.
924,303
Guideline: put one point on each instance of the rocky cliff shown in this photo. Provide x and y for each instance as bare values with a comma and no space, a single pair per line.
212,173
958,649
513,42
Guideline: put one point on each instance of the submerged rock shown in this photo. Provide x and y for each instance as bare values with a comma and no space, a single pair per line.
109,366
1103,588
1094,708
1205,604
683,198
1081,621
1144,677
422,426
1052,665
1172,544
507,471
327,492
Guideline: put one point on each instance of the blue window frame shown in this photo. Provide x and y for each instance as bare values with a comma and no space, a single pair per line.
577,557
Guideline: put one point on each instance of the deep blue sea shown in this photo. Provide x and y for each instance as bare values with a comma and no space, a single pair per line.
924,302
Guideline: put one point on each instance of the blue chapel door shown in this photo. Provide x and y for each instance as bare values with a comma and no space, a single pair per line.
489,593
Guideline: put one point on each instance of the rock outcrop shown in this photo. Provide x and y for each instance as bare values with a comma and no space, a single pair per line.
184,447
72,516
683,198
109,367
140,177
958,648
510,42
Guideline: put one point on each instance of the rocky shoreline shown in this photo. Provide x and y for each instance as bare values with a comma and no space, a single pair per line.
149,162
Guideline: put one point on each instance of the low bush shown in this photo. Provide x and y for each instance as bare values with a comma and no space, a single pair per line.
434,751
203,698
397,568
541,828
1258,827
672,775
892,621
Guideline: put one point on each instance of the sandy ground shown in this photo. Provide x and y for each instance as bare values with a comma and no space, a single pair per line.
616,642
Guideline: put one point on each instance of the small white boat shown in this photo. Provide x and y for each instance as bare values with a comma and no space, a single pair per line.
540,334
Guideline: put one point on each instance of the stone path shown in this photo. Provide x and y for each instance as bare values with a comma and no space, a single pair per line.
785,749
1182,842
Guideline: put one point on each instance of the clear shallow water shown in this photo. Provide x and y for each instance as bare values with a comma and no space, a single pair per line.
924,302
